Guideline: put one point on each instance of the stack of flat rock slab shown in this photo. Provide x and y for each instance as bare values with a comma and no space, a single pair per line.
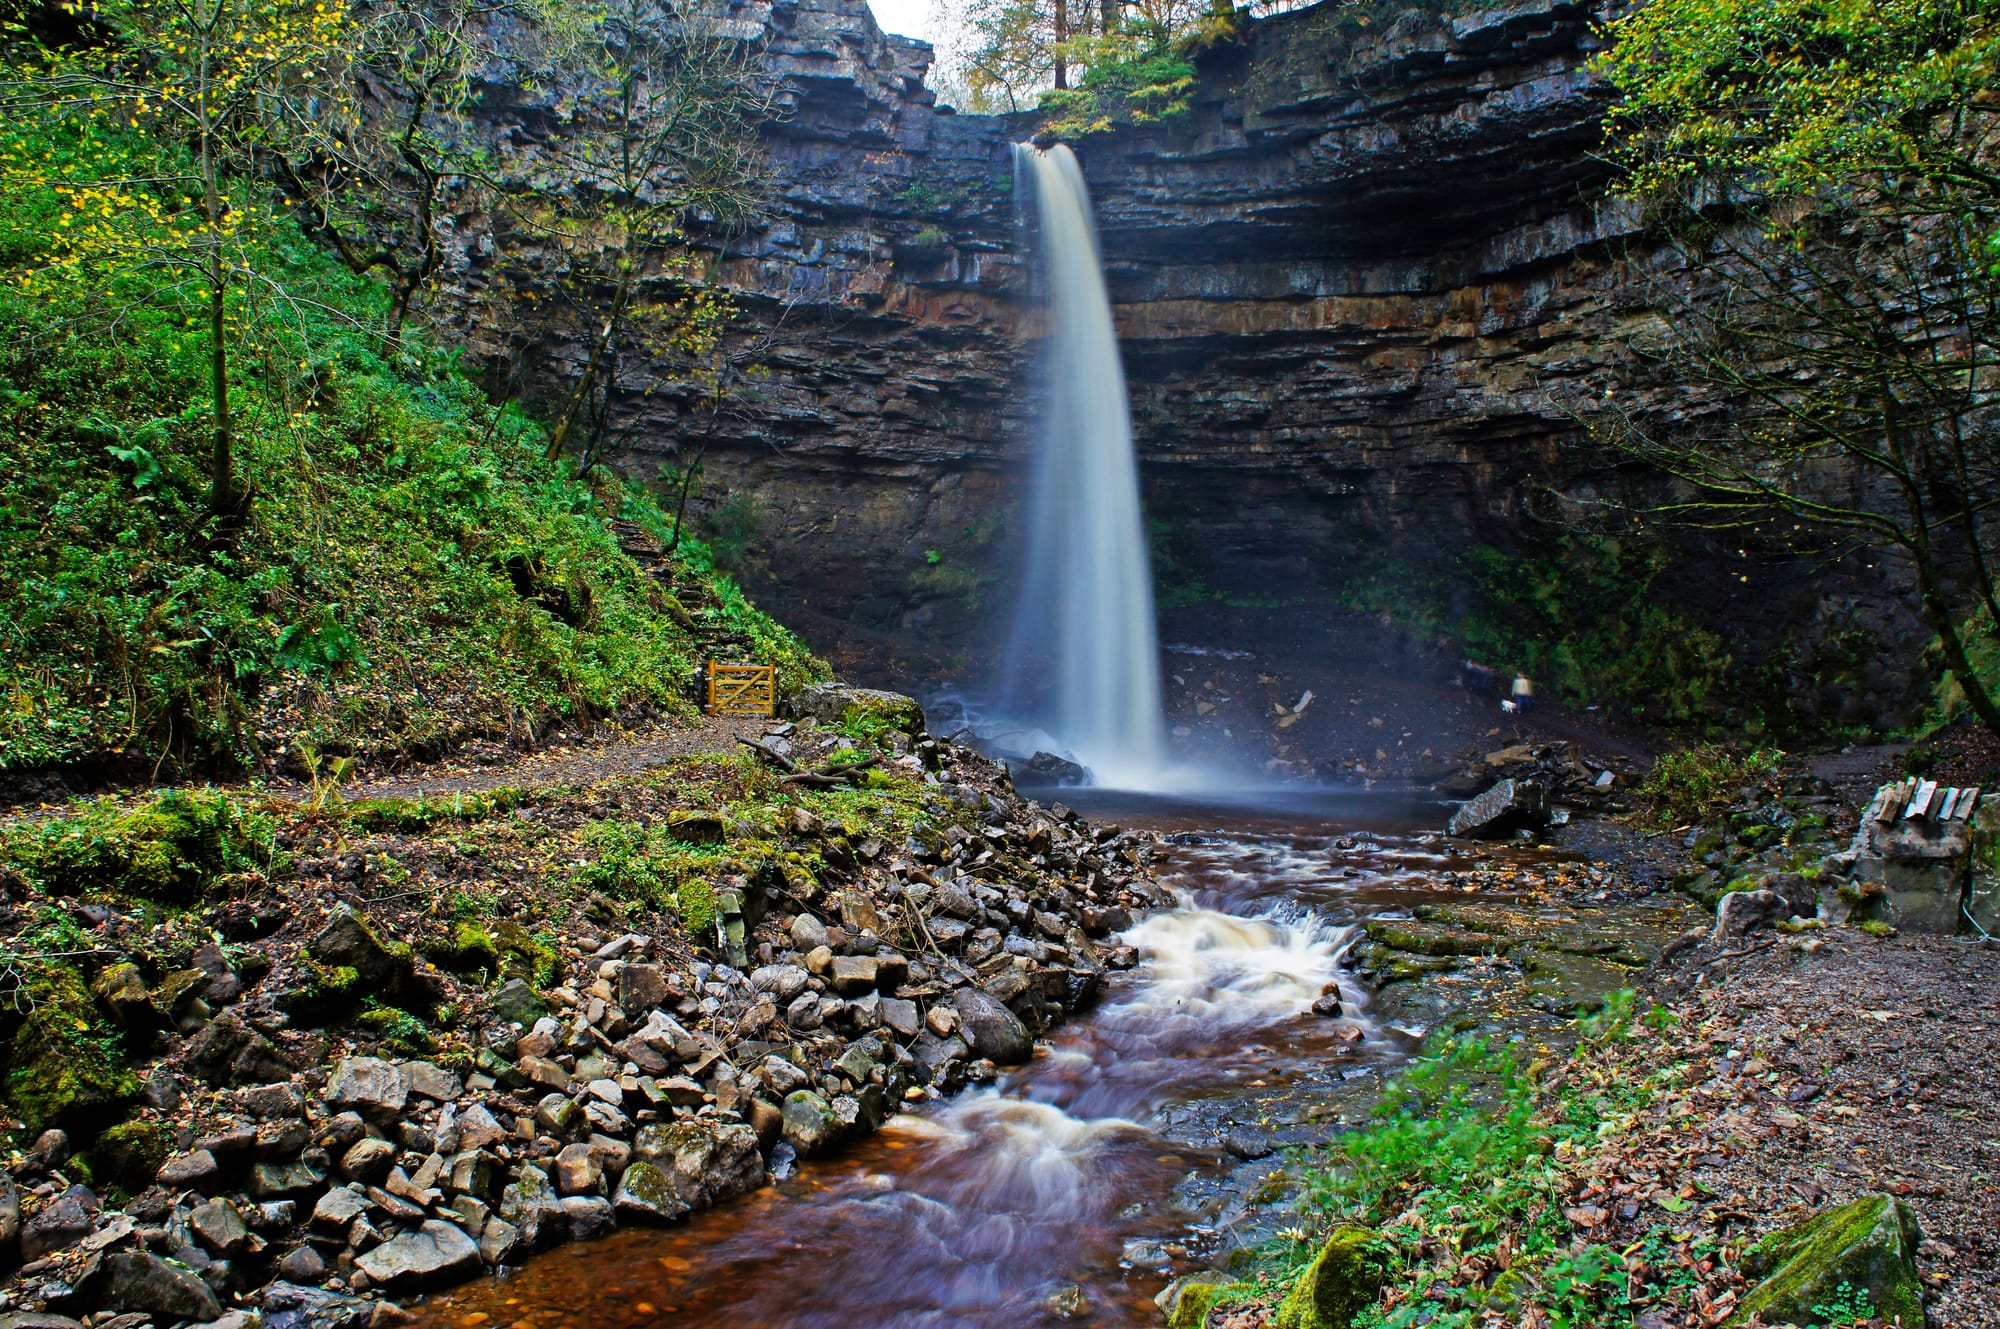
1910,864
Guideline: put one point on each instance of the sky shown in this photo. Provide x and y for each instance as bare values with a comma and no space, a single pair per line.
908,18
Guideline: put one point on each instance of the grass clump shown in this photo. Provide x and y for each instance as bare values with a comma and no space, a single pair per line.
1697,783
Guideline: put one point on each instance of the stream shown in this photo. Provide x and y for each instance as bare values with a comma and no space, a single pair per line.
1123,1153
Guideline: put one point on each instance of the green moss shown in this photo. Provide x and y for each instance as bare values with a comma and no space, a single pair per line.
1876,928
129,1155
1418,938
471,948
1344,1279
1199,1295
1868,1245
65,1065
173,849
324,991
419,814
523,955
398,1028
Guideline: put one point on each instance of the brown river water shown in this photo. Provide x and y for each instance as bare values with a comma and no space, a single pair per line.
1121,1155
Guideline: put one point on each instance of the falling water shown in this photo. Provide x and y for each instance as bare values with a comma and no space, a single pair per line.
1085,620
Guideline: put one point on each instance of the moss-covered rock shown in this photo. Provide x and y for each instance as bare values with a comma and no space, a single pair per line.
64,1062
522,956
867,710
1343,1280
1187,1301
1436,939
1866,1246
130,1154
469,949
698,827
348,960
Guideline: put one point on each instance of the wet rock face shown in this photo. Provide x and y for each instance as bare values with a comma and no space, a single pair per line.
1354,287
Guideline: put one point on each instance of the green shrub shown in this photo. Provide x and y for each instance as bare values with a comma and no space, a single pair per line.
1694,784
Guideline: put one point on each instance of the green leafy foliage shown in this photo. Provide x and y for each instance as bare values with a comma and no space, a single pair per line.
1582,618
1694,784
369,603
1797,94
1466,1153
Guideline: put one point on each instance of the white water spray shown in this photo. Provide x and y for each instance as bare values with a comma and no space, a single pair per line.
1085,621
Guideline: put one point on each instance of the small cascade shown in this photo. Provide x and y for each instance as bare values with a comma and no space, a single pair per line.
1083,636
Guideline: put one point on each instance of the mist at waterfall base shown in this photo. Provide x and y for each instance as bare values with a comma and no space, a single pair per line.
1082,670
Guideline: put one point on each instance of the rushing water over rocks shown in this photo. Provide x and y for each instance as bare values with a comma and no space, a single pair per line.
1119,1154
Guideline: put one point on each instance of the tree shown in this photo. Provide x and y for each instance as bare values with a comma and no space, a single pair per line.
1822,174
662,132
373,171
1109,56
214,77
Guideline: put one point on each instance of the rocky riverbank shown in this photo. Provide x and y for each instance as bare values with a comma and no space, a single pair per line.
296,1060
1775,1118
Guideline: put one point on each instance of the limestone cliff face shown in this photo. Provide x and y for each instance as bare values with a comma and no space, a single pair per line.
1356,286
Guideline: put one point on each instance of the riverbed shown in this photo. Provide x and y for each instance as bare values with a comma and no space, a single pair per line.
1128,1150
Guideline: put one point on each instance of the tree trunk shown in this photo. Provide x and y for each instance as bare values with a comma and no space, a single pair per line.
626,280
1108,16
687,484
222,453
1930,587
1062,35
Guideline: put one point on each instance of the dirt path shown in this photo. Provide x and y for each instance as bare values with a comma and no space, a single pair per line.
1843,1065
568,760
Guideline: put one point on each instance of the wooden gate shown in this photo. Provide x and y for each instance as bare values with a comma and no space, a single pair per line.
742,689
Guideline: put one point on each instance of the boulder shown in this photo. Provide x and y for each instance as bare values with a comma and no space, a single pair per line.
60,1223
371,1086
130,1154
838,703
228,1051
647,1194
705,1162
221,1228
435,1252
1510,806
589,1217
530,1204
136,1281
809,1122
291,1306
1187,1300
1344,1279
386,970
1740,912
1045,770
122,991
993,1031
429,1080
1868,1245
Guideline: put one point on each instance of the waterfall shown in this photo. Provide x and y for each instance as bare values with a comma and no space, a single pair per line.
1083,639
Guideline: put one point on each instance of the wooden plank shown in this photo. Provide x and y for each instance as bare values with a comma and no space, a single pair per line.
1920,802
